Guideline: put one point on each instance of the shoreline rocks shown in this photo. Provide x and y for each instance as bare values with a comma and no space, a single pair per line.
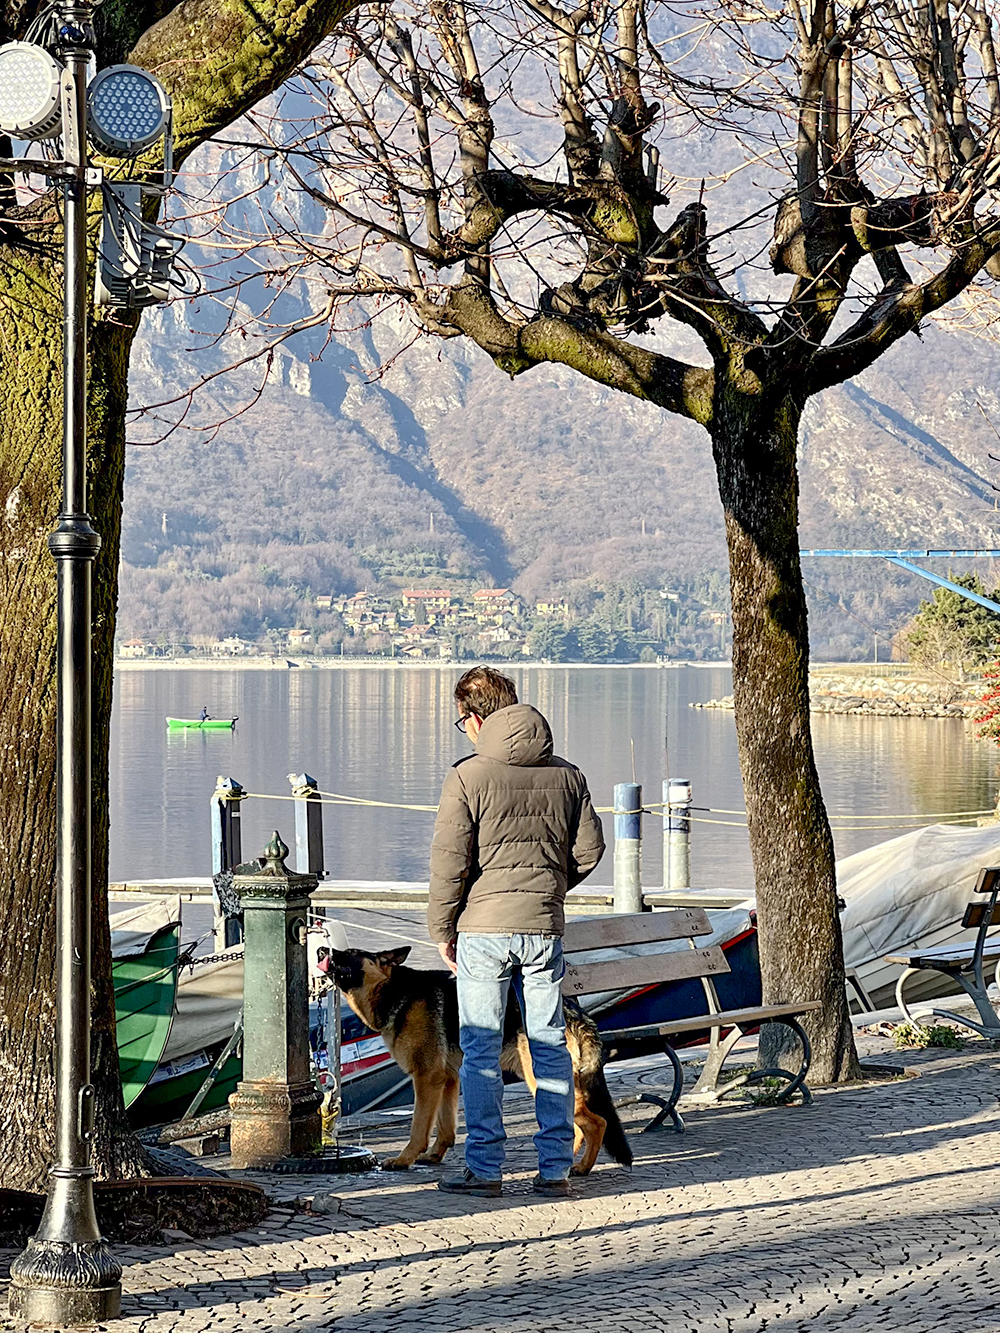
876,696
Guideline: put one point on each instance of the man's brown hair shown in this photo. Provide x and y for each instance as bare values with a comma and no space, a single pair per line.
484,691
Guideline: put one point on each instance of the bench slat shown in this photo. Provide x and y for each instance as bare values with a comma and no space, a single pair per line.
735,1018
644,969
951,956
605,932
974,914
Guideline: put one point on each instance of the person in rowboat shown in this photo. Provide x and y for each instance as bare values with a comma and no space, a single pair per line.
205,715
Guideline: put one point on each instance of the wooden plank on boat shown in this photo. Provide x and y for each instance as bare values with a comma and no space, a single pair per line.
738,1018
643,970
636,928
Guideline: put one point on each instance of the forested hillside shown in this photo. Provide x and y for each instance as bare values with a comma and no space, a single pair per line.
444,470
375,458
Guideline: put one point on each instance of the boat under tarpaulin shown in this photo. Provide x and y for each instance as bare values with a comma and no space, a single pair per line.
144,961
206,1008
910,893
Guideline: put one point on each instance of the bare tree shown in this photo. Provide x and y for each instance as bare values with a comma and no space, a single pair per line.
218,60
495,169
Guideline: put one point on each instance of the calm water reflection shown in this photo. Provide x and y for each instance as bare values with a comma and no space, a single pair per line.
387,734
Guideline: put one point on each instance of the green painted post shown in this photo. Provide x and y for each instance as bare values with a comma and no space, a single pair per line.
275,1109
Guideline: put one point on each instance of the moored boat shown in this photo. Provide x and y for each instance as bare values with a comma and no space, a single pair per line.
145,943
176,1019
199,724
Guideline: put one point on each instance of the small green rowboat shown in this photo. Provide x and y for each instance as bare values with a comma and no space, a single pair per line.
145,981
210,723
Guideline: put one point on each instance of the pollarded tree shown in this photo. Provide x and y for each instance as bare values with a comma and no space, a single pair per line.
218,58
495,167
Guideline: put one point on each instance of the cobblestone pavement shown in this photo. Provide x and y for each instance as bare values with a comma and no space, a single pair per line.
878,1208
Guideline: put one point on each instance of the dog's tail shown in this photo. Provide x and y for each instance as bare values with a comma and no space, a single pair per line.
593,1083
599,1100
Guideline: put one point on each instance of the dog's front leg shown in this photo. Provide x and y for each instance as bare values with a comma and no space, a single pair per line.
447,1123
427,1091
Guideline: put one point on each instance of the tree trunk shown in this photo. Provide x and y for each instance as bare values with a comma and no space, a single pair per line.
755,440
30,497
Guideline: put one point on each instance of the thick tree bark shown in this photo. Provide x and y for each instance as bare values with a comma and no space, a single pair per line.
218,58
31,413
754,437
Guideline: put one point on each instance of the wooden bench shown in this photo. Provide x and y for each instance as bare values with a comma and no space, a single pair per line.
588,973
964,962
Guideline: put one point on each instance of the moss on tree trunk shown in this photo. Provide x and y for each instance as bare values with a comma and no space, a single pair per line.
30,496
754,438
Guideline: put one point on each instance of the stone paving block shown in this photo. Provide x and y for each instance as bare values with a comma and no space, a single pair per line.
869,1211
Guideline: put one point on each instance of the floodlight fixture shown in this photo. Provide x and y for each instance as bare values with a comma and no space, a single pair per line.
127,110
29,92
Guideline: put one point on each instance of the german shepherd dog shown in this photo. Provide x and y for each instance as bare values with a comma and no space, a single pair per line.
416,1012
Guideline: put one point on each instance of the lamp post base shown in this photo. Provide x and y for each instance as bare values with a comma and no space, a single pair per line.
55,1283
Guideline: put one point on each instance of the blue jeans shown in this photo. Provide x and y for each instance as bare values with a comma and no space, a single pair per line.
487,964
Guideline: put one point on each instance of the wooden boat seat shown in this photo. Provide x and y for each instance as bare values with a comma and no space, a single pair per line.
962,961
590,970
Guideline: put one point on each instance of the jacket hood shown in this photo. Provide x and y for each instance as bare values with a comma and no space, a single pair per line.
517,735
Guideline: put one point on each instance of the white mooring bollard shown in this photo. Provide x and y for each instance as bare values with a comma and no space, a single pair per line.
676,834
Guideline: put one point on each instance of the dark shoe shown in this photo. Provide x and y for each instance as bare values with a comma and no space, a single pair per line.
553,1188
469,1183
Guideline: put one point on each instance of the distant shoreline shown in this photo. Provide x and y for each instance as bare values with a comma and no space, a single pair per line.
345,664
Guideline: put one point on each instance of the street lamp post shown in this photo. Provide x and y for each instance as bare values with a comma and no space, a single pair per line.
67,1274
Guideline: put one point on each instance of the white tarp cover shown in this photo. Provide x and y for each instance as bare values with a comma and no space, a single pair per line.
133,929
910,892
209,1000
210,993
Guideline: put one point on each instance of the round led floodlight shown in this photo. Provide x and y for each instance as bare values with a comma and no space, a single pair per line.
127,110
29,92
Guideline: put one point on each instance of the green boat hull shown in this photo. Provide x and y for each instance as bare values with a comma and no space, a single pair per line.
193,724
167,1100
144,1009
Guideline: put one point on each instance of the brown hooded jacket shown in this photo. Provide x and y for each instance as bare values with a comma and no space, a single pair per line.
515,831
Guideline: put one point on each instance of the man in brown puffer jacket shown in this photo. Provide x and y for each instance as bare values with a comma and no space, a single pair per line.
515,831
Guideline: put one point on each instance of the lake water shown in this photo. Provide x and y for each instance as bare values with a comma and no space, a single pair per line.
387,734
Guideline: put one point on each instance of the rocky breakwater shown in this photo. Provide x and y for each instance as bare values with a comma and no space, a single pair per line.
878,696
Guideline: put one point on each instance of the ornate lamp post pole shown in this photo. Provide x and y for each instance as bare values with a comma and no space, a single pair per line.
67,1274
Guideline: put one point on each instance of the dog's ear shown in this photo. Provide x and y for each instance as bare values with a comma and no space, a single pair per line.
391,958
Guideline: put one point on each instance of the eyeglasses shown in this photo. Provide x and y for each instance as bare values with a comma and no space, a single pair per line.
460,724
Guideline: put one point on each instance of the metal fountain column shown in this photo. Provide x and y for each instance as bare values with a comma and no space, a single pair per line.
67,1274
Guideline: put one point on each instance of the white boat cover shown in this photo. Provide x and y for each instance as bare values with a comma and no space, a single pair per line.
210,993
133,930
910,892
209,1001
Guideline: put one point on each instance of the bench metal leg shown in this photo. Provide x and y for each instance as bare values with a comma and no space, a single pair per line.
667,1105
708,1089
900,1000
989,1027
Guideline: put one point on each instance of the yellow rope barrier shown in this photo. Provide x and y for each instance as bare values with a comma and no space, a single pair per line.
659,809
332,798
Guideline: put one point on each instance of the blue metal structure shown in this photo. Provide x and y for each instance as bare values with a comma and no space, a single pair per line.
904,560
